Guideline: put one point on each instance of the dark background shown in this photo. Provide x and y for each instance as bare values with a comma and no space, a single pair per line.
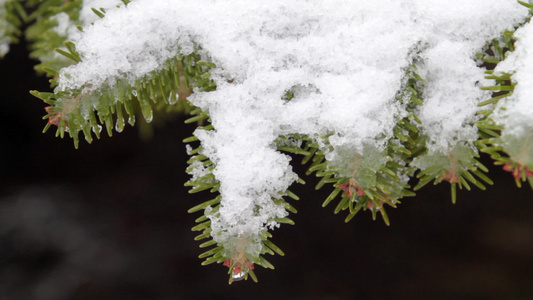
109,221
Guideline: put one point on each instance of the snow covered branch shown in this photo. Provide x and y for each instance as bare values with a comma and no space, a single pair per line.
372,94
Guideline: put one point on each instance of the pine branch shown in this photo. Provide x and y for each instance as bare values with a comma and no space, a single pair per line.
510,152
85,109
374,177
54,23
368,173
234,254
12,15
45,36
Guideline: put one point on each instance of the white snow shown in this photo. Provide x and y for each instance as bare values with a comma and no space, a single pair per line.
346,60
87,16
515,113
67,28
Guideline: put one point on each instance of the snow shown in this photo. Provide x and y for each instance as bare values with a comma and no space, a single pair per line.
515,113
87,16
344,60
450,96
458,30
67,28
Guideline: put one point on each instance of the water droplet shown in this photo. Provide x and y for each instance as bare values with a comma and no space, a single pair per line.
119,127
171,98
149,117
238,276
97,129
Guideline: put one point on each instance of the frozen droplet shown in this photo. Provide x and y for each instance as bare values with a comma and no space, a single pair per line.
134,92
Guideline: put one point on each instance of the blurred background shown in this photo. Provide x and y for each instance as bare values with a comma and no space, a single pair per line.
109,221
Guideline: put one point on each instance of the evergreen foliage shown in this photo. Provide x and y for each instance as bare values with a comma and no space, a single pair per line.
508,153
12,15
366,181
